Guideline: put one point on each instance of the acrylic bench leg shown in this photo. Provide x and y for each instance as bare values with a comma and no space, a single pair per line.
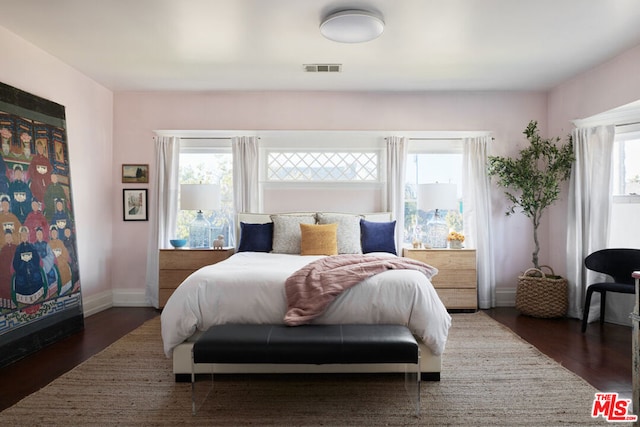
193,387
196,403
412,384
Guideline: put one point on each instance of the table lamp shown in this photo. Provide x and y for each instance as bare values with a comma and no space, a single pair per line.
199,197
437,197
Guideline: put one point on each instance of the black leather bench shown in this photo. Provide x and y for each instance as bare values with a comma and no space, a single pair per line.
307,344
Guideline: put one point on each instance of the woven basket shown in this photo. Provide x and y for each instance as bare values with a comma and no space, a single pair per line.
541,296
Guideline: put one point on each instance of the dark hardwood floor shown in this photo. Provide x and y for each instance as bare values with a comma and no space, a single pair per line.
33,372
602,356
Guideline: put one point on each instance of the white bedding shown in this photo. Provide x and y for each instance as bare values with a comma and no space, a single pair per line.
249,288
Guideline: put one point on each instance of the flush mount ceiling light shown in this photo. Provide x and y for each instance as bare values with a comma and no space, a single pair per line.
352,26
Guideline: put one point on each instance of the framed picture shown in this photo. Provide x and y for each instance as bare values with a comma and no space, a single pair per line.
134,204
135,174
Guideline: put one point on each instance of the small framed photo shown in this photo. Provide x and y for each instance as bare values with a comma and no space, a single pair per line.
135,174
134,204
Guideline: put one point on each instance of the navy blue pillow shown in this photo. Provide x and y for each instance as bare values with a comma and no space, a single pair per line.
378,236
256,237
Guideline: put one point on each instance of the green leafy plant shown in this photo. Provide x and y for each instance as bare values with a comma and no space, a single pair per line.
532,180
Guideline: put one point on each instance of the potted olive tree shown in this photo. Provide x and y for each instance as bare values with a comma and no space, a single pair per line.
532,183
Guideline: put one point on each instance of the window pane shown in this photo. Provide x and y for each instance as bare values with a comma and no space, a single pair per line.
209,168
426,168
322,166
626,167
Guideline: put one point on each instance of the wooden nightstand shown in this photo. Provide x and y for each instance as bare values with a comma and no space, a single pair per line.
457,278
177,264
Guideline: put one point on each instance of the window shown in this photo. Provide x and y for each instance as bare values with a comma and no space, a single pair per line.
432,161
208,161
626,163
301,166
322,171
624,229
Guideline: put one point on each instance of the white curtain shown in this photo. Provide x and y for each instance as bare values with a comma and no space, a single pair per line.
476,199
588,211
397,148
245,173
163,201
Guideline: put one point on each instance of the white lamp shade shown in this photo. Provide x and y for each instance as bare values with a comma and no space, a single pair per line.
194,197
352,26
437,196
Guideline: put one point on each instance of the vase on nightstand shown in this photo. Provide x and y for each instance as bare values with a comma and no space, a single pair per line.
455,244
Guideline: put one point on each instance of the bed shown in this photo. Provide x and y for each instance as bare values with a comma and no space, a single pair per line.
249,287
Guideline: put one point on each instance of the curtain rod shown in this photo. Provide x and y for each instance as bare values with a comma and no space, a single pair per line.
411,139
434,139
204,137
440,139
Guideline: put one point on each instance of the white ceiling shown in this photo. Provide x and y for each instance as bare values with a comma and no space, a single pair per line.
263,44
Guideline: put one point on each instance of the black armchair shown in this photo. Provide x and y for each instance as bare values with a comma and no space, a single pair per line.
617,263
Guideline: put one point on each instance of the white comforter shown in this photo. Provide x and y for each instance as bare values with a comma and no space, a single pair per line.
249,288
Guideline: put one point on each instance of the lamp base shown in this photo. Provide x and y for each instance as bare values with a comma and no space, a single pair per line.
437,232
200,232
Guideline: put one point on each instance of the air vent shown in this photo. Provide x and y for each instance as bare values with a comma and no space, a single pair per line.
322,68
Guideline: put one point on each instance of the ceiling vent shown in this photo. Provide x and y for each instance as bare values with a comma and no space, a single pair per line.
322,68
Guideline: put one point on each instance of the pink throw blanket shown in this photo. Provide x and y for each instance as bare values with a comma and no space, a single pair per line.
311,289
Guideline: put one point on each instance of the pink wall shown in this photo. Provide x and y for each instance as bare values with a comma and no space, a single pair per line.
137,115
106,130
315,199
610,85
89,112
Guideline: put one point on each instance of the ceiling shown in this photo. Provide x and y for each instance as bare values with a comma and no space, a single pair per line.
262,44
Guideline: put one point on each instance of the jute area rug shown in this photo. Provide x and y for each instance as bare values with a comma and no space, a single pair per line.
489,377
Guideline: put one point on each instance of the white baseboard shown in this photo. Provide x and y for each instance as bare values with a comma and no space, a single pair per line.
96,303
115,298
129,298
506,297
137,298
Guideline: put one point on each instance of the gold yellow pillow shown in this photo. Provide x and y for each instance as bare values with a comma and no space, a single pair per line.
318,239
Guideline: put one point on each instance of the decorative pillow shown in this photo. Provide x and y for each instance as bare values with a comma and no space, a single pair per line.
377,216
318,239
256,237
348,231
378,236
286,232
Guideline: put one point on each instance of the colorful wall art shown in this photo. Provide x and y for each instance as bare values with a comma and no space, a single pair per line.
40,299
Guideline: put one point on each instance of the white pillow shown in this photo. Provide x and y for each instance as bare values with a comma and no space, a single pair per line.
348,230
377,216
286,232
